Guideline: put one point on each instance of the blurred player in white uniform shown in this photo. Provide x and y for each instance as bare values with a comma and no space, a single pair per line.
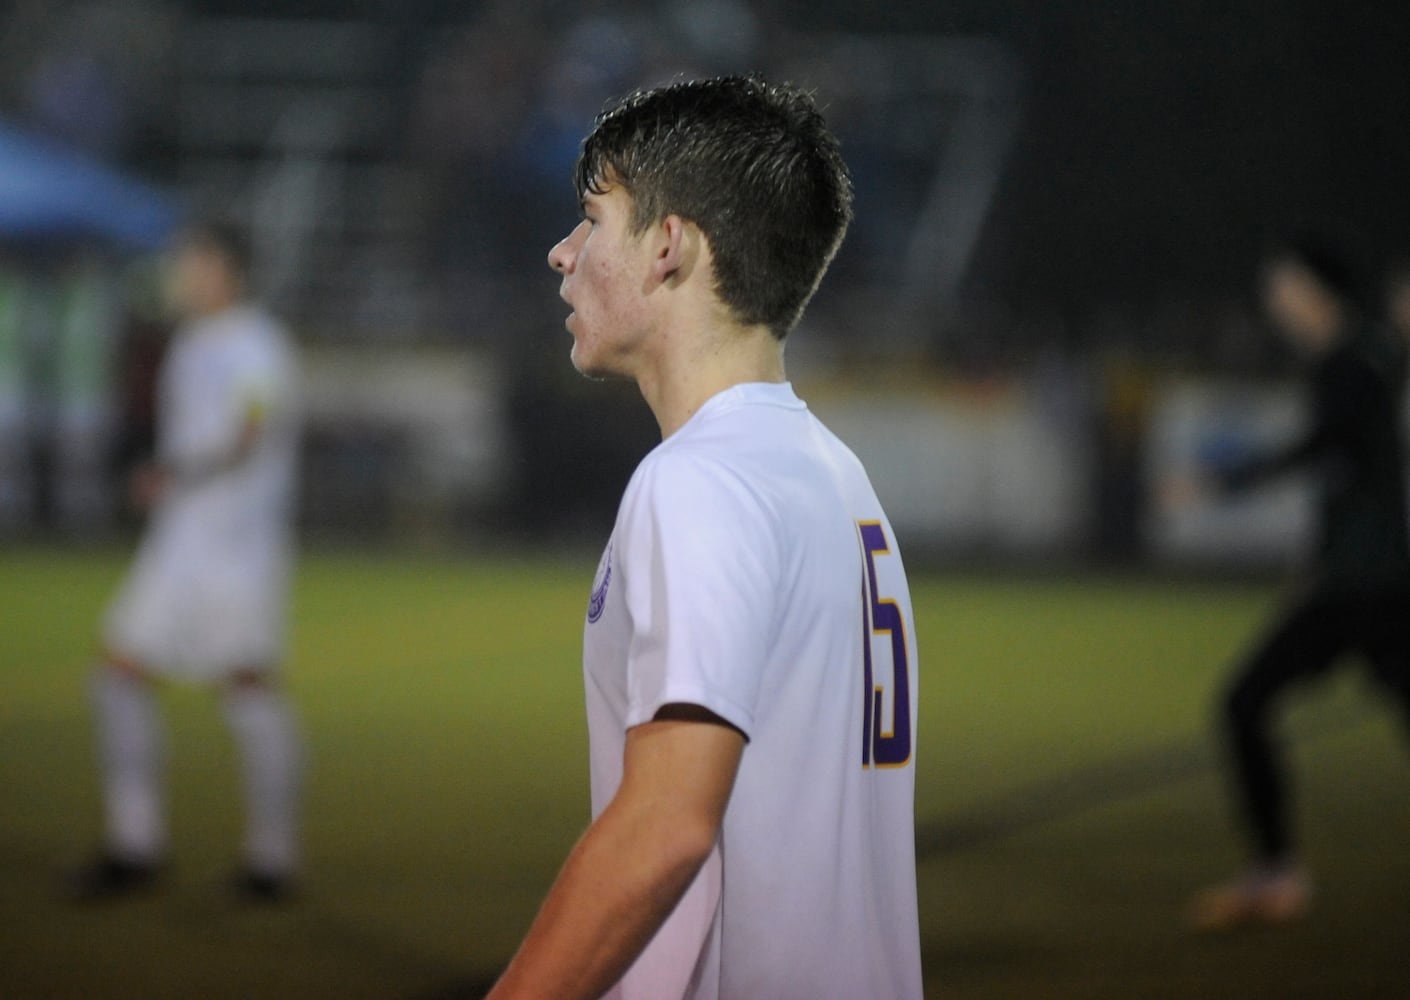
749,649
205,598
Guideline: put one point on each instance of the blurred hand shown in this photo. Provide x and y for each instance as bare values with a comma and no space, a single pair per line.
148,485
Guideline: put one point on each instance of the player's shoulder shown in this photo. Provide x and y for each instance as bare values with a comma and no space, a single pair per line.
682,466
839,449
694,479
696,502
261,339
262,326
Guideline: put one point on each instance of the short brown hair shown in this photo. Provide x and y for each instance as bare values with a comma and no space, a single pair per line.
752,164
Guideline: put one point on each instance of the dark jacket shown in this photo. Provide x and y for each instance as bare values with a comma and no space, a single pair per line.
1355,444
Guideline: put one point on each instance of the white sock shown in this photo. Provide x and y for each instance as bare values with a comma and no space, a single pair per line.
267,741
130,759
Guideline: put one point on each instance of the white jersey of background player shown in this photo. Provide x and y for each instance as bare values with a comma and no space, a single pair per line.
207,591
749,654
205,597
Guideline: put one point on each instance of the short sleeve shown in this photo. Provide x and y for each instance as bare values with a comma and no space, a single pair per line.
701,576
263,381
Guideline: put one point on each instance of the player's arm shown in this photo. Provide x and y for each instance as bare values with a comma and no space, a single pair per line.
1339,409
151,481
628,871
1257,470
233,454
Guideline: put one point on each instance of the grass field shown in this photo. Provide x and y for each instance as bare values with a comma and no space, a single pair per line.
1065,805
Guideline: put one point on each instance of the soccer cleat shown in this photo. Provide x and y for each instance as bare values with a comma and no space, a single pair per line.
262,887
109,877
1262,897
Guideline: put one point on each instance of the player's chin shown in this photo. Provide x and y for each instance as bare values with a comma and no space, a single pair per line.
592,367
597,374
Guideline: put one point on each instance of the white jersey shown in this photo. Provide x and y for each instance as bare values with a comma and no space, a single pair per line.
752,571
207,590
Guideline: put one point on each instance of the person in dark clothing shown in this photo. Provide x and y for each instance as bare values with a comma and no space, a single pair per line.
1355,596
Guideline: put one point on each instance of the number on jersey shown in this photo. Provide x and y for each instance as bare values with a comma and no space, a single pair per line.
882,616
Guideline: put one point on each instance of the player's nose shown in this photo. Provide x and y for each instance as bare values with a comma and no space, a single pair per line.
558,256
565,252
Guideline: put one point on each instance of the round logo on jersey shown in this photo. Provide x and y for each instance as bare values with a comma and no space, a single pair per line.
598,600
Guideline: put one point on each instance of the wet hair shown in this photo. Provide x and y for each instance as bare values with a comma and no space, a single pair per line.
752,164
227,239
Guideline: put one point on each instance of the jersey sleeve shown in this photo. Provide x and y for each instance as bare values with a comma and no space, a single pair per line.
221,398
701,576
263,382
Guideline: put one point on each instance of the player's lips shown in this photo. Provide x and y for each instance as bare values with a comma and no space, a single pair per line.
563,294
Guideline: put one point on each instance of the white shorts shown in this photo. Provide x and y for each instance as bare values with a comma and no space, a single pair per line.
198,607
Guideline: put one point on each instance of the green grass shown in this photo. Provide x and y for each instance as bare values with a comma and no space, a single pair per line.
442,700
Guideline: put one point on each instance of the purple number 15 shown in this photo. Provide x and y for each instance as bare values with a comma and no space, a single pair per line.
882,616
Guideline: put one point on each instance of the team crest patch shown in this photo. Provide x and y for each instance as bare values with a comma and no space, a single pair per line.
598,600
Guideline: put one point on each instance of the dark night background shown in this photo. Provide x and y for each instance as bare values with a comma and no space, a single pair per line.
1159,146
1160,142
1163,142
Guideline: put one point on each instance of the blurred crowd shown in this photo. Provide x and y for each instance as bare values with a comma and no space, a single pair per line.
487,103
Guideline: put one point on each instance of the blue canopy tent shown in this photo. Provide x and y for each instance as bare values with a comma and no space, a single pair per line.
50,194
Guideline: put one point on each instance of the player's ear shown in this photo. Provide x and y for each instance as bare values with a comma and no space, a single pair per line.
676,247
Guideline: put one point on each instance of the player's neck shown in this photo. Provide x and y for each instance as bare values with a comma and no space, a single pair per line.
692,369
213,308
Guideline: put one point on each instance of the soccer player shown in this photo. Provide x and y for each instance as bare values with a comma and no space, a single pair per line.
1355,596
749,650
205,598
